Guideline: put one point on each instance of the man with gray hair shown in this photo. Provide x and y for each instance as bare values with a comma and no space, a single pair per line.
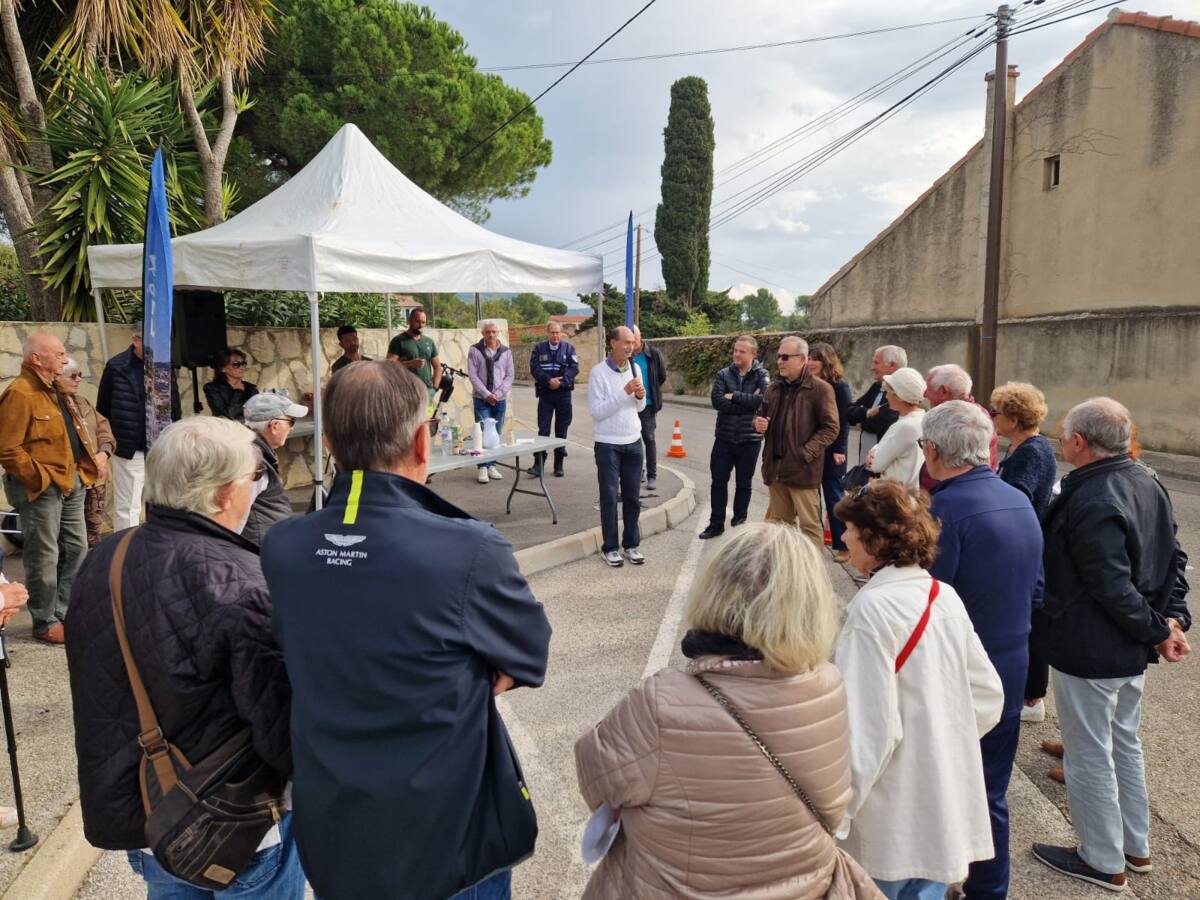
49,461
950,382
400,618
990,551
871,411
271,416
1115,602
798,419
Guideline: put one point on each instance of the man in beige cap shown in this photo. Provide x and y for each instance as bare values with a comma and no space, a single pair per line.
799,419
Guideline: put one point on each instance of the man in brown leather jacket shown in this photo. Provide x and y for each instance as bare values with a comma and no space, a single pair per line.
800,419
48,461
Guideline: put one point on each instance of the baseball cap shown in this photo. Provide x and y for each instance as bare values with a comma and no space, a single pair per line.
908,384
267,406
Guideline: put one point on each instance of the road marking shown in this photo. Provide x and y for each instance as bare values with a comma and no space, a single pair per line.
664,641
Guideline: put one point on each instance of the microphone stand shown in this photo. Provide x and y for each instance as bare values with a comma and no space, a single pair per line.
25,838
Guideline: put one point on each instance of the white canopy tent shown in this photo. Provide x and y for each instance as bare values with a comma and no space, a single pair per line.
350,222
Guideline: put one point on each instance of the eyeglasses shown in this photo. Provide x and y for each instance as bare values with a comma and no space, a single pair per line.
993,412
259,471
238,365
287,419
861,492
76,375
924,442
784,357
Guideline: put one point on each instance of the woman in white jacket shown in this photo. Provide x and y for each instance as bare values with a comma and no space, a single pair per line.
897,456
921,692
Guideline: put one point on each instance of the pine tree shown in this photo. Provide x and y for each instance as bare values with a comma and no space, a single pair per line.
681,223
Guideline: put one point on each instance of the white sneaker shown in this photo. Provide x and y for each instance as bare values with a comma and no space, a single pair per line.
1035,713
494,473
613,558
482,477
634,555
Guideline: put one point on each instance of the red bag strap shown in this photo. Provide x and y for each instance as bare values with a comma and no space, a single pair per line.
919,630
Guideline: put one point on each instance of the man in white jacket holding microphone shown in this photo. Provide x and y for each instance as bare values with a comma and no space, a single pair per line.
616,395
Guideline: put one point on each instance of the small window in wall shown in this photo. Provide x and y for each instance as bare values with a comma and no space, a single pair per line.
1053,172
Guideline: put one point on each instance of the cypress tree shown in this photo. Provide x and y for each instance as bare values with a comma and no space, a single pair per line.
681,223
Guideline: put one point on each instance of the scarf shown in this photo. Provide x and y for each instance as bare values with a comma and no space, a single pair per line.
711,643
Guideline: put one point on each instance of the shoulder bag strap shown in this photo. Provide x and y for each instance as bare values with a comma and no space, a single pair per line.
771,757
151,739
913,638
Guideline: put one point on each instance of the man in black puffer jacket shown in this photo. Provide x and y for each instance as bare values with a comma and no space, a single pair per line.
737,394
199,627
1114,601
122,400
271,417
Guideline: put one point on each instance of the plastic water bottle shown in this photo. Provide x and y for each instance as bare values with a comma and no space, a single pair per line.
447,435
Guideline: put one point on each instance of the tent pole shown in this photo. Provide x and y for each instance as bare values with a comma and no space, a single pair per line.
318,436
100,320
388,299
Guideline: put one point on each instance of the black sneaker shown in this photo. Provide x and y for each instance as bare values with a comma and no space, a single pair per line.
558,469
734,523
711,532
1068,861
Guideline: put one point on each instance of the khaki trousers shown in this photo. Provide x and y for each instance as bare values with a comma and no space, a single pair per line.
797,506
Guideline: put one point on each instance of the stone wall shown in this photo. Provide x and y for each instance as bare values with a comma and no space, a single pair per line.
277,358
587,348
1147,359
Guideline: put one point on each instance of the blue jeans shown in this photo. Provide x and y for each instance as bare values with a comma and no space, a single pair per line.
619,464
728,457
498,887
483,410
832,490
1106,776
912,889
273,874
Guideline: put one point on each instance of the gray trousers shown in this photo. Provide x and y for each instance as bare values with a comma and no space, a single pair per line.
55,543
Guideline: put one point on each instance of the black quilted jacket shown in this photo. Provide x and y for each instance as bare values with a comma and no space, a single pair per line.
199,619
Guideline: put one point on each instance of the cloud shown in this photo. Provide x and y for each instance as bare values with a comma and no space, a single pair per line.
606,121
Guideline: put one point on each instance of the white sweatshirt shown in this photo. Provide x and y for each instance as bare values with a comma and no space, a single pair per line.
614,412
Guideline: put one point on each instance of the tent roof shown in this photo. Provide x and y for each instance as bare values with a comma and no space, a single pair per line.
350,221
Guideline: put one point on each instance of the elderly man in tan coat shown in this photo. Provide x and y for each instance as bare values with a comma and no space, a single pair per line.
48,462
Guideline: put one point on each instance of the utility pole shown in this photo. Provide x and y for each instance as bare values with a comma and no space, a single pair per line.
478,308
985,375
637,280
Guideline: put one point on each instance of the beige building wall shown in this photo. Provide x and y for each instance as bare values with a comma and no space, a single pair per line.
1122,228
1120,231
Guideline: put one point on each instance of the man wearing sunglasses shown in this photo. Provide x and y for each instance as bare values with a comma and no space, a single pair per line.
271,417
799,419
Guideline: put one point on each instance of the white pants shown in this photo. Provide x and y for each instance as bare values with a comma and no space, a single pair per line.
128,477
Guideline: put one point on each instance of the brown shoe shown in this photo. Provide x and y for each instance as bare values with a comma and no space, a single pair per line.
1138,863
1054,748
1057,774
55,634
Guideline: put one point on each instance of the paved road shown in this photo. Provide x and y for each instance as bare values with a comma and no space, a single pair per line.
612,627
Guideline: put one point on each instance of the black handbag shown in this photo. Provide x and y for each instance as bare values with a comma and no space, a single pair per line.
204,822
856,477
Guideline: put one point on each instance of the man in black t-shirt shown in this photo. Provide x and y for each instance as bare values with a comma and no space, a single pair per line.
347,336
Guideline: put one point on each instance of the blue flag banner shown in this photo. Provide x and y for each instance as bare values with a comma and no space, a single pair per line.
158,278
629,274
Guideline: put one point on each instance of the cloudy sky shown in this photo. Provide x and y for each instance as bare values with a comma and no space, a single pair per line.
606,120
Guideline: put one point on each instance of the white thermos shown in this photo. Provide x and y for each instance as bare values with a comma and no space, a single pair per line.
477,437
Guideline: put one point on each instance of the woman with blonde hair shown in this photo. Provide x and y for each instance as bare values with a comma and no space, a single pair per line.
921,693
704,810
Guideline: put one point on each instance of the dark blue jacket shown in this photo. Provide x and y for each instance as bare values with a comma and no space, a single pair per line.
1032,470
990,551
546,363
735,417
122,400
841,393
1114,572
395,610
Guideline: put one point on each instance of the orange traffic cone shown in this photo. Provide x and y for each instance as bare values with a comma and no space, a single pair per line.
677,451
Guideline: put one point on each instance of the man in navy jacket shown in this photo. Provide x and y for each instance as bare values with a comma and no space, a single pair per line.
990,551
400,617
554,366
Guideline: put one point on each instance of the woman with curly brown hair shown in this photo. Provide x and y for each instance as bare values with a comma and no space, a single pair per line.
921,692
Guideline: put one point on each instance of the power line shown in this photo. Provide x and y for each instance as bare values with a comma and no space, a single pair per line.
556,82
1032,27
738,49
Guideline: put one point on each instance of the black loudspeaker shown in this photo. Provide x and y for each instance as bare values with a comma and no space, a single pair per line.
199,333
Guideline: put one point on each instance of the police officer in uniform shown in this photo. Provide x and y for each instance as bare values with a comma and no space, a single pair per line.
554,367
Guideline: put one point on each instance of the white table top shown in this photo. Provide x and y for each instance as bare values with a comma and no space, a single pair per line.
526,446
